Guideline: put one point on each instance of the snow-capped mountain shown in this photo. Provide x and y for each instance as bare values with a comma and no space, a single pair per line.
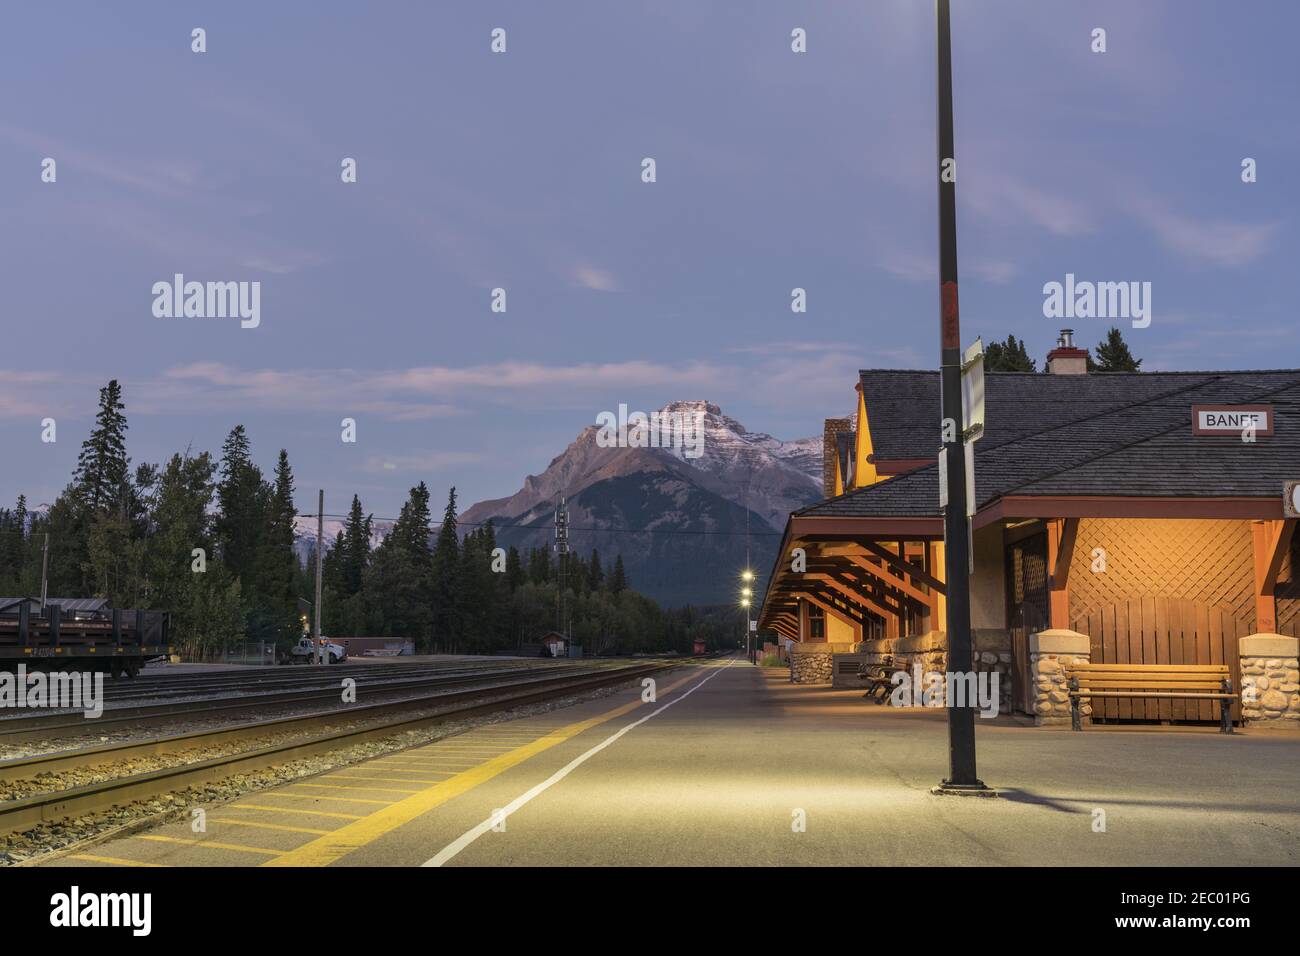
304,533
682,522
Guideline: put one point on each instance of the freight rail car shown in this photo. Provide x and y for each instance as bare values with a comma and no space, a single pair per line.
80,634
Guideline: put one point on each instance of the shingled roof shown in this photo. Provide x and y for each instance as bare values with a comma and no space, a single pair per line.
1107,434
903,406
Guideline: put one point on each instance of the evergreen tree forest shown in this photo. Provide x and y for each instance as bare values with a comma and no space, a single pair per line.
212,541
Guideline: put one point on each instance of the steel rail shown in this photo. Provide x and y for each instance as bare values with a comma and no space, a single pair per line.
28,812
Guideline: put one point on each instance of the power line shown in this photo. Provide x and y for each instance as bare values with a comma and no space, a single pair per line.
544,527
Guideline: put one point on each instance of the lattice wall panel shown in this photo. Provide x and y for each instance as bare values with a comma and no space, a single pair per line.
1208,562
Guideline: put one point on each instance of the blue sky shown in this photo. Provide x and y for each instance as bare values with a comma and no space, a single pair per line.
522,170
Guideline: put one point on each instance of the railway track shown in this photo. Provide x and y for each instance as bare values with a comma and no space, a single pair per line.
57,725
168,686
28,812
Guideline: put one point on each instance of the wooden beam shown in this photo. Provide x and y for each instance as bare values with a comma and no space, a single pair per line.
878,604
1061,534
827,603
871,589
901,584
1271,540
898,564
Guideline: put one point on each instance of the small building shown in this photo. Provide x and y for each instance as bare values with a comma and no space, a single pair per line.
555,643
1124,518
699,647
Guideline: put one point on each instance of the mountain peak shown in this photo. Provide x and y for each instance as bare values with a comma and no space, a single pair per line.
704,485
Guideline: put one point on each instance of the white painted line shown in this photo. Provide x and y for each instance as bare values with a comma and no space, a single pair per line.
469,836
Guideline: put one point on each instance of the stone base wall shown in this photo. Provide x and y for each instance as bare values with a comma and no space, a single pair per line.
1050,652
812,663
1270,679
810,668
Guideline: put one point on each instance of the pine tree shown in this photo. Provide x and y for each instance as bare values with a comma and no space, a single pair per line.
539,565
1008,356
514,569
595,575
355,547
1113,355
618,579
101,473
447,578
241,502
276,560
399,580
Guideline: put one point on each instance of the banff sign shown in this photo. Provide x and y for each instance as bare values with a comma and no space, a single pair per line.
1291,499
1232,419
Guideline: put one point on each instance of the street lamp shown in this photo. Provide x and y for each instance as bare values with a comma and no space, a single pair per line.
956,530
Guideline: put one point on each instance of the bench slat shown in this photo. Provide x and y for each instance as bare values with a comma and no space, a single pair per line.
1155,684
1107,693
1148,670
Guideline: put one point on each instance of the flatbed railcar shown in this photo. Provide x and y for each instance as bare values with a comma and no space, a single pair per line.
85,635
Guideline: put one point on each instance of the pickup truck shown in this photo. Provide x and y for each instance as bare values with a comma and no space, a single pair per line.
302,652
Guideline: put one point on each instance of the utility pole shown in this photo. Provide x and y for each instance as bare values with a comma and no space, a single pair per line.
562,567
320,557
956,529
45,569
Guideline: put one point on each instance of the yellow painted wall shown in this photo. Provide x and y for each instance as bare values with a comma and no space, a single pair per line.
838,631
864,472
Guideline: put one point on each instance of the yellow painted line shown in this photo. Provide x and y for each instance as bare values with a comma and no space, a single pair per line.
319,796
354,776
361,789
417,764
387,769
113,860
297,810
238,822
325,850
212,844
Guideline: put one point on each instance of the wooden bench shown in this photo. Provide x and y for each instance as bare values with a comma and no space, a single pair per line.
880,678
1151,681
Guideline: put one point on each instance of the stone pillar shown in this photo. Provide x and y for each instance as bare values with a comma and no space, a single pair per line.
993,653
1270,678
1049,653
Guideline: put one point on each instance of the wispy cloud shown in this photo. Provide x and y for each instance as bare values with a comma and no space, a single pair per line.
422,462
1007,199
1216,242
589,277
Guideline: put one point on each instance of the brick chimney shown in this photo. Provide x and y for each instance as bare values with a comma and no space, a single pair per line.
1065,359
833,427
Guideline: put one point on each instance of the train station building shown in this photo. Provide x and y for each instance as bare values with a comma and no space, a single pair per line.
1126,518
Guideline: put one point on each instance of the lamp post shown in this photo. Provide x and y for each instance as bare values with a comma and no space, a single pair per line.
956,530
745,592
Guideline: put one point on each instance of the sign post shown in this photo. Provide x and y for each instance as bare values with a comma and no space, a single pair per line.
961,778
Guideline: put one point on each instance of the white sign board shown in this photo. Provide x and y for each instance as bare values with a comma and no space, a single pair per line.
972,392
1232,419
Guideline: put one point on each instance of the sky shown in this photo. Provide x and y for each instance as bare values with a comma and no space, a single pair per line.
522,170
